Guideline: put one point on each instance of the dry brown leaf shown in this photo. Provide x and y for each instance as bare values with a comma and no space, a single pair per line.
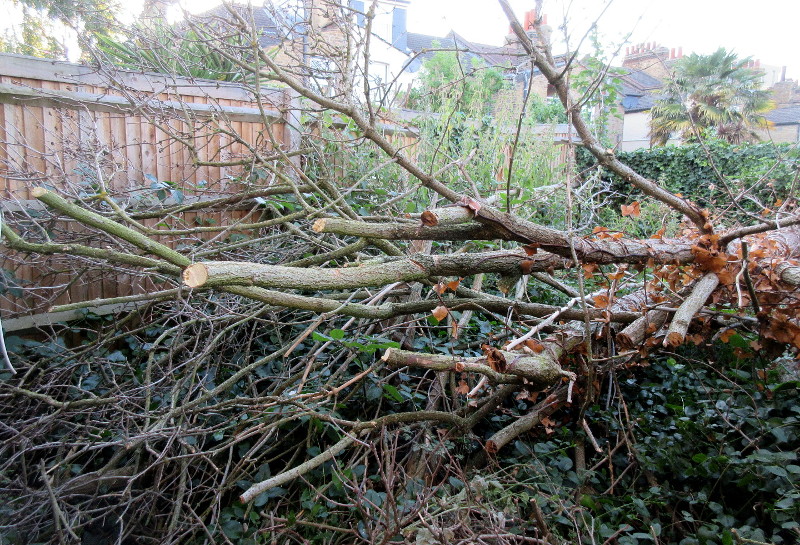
709,260
471,203
726,335
726,277
440,312
495,358
429,219
453,286
531,249
535,345
634,209
601,301
527,266
619,274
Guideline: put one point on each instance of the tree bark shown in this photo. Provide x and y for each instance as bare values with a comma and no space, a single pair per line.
417,268
538,370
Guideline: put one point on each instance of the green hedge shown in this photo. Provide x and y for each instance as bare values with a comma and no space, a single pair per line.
701,171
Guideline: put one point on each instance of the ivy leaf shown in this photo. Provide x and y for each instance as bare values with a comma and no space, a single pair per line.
392,393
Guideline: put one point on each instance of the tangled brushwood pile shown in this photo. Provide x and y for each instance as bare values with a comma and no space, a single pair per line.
380,343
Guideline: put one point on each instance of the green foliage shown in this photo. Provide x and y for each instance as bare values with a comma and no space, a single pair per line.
713,447
72,10
92,16
450,80
158,47
35,37
711,95
543,111
763,172
600,85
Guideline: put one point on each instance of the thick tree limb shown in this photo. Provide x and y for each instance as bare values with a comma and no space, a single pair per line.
390,310
525,423
539,370
141,298
604,156
788,273
92,219
435,362
420,267
496,225
408,231
295,472
633,335
689,308
16,242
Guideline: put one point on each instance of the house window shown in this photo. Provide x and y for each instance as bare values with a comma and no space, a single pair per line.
379,72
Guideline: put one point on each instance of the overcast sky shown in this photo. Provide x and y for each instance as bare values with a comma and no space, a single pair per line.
768,30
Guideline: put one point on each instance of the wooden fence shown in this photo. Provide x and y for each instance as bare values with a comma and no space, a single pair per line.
84,131
140,136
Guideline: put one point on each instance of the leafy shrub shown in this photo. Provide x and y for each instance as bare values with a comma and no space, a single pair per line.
713,172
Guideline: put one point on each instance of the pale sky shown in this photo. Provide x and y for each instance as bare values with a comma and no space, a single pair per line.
768,30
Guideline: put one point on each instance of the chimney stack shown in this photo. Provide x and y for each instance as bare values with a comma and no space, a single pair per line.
783,73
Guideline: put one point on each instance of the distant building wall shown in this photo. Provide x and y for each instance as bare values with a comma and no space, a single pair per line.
782,133
636,131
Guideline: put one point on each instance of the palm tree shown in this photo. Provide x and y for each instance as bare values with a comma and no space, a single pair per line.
715,94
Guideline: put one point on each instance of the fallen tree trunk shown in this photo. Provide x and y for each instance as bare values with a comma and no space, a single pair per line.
499,366
420,267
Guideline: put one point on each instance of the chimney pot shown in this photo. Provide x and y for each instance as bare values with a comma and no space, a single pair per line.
530,17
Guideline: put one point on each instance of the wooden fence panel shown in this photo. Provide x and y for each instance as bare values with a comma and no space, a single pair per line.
64,126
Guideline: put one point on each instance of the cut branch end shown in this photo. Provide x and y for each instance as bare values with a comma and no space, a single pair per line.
319,226
195,275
